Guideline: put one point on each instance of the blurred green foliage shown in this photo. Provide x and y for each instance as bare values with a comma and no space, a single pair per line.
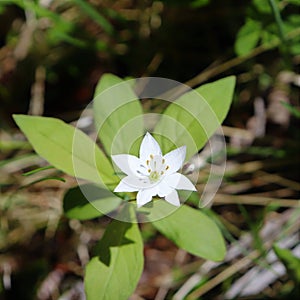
267,21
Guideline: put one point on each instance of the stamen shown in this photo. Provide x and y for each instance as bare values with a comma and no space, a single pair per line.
163,161
167,167
147,162
162,173
149,170
151,156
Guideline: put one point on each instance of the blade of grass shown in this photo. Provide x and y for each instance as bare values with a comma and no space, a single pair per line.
42,179
37,170
94,15
293,110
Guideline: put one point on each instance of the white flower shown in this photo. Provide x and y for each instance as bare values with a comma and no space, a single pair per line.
153,174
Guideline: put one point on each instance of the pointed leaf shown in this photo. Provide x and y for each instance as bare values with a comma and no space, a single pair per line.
67,148
248,37
115,272
118,115
195,116
189,229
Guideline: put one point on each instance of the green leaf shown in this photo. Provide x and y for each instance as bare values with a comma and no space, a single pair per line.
67,148
118,115
290,261
247,37
195,116
264,6
89,201
189,229
268,36
115,272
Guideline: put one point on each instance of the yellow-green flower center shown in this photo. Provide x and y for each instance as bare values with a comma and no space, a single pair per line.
156,167
154,176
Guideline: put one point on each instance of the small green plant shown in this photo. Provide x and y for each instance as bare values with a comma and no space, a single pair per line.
187,123
266,22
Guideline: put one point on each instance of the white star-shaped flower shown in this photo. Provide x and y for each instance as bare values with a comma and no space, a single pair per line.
152,173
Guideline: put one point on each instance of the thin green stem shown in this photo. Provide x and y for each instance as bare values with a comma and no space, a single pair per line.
284,46
278,20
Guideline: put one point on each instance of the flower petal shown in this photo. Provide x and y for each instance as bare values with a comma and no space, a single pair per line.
164,189
179,182
173,198
145,196
175,159
129,164
139,183
123,187
149,146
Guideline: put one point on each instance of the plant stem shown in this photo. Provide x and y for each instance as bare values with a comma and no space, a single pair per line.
278,19
284,47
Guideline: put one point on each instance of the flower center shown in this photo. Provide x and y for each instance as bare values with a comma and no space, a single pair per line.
154,176
156,167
